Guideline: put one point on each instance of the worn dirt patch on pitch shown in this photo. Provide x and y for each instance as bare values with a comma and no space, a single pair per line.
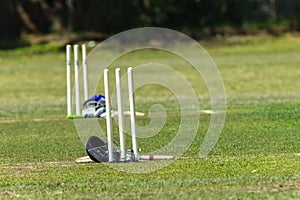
8,195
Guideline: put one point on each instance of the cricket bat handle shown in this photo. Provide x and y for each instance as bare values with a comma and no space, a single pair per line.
155,157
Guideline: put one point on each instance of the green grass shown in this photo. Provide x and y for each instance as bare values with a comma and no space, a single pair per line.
253,159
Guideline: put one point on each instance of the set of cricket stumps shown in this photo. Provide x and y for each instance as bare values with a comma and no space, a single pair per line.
108,114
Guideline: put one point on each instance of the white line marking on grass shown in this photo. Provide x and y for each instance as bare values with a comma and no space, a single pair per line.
3,121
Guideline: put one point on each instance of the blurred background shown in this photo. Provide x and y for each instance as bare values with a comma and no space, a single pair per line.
98,19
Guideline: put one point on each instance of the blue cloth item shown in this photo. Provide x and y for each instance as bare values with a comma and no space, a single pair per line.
98,97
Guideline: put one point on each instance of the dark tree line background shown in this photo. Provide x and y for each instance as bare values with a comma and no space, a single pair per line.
208,17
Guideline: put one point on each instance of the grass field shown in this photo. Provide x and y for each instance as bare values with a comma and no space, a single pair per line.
253,159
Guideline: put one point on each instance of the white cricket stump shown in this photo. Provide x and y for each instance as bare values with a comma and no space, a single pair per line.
108,117
120,114
68,73
132,113
85,74
76,72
